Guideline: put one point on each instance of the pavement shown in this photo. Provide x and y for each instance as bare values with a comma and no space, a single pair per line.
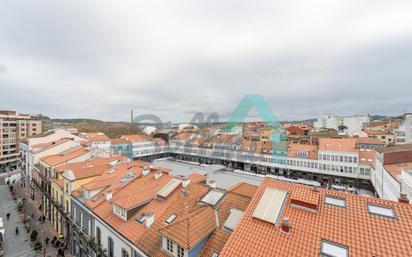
224,179
14,245
44,229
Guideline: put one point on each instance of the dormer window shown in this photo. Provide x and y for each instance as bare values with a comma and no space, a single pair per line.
169,245
120,212
180,251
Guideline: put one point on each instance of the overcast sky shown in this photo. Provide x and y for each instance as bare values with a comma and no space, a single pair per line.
98,59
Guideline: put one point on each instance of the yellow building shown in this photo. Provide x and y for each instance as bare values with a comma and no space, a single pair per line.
68,178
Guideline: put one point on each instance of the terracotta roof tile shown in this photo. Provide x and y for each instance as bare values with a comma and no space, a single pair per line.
54,160
364,234
189,230
338,144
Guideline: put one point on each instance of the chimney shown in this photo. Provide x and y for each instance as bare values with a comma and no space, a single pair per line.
403,198
149,219
185,181
146,170
109,195
212,184
158,174
286,226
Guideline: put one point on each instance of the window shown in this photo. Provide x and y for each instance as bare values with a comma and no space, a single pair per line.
110,246
125,253
98,236
81,219
180,251
89,226
335,201
329,249
169,245
170,219
381,211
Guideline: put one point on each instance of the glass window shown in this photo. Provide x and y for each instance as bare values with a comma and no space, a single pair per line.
169,245
333,250
335,201
381,210
98,236
125,253
180,251
110,245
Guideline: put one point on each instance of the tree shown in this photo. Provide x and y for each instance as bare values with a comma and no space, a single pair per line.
342,128
33,235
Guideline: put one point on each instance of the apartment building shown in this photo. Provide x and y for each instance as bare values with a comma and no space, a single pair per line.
13,128
404,132
287,219
343,124
48,143
391,163
135,210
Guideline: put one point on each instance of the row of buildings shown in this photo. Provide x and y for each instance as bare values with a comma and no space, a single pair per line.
104,204
105,198
392,132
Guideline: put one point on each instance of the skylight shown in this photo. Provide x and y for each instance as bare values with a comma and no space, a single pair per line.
169,188
335,201
381,210
270,205
170,219
233,220
212,197
333,250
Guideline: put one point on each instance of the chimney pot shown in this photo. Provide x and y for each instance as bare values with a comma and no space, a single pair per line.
149,219
285,226
185,181
109,195
212,184
403,198
158,174
146,170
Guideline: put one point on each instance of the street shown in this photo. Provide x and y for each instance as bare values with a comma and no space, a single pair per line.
14,245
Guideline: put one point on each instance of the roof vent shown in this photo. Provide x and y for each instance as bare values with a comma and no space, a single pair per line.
149,219
185,181
212,184
403,198
285,227
146,170
315,188
158,174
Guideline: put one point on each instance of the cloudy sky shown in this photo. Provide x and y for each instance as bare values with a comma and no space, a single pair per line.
98,59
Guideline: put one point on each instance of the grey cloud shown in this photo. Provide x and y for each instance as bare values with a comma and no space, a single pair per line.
101,58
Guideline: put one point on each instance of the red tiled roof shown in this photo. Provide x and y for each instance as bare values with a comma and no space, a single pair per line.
244,189
197,178
338,144
54,160
189,230
312,150
364,234
370,141
396,169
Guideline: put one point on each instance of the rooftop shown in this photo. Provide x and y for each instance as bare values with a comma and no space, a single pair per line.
364,226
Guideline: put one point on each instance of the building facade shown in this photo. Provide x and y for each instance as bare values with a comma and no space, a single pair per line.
13,128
